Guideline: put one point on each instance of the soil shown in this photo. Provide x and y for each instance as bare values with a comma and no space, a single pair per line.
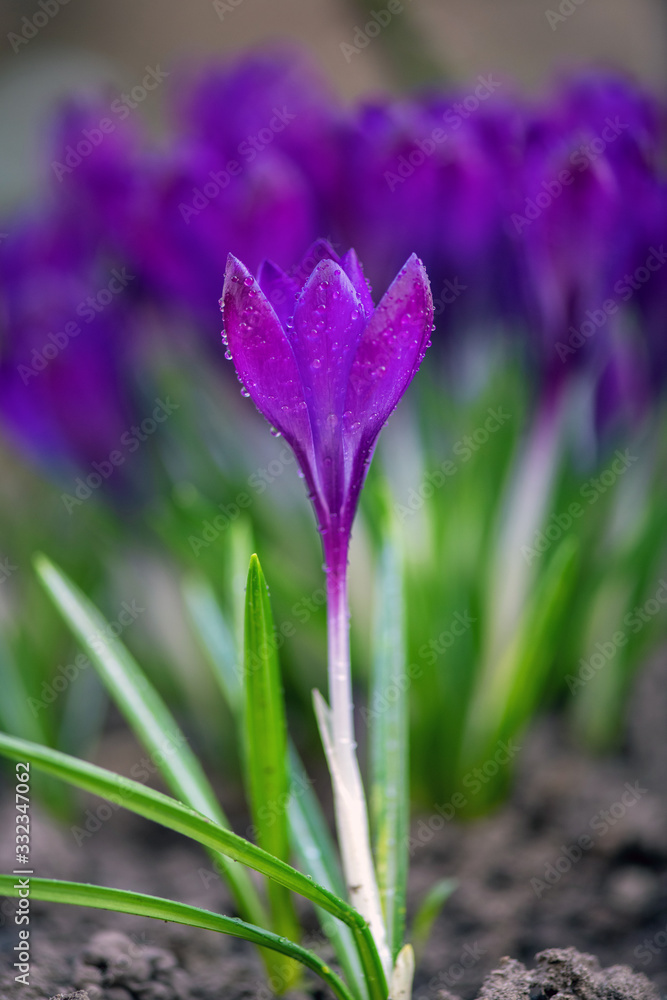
577,859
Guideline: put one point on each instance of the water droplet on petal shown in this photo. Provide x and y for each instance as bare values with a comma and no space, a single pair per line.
248,282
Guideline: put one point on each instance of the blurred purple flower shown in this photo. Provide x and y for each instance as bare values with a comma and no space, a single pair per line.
251,173
64,335
326,368
420,177
587,190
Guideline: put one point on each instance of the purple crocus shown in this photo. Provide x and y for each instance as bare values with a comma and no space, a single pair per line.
326,368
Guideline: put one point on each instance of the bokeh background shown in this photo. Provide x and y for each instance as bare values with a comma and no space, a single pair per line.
99,41
513,604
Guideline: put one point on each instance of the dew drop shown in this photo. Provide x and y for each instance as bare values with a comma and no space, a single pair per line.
317,363
228,354
274,432
248,282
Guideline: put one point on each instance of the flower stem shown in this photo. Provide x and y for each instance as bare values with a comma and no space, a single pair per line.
349,798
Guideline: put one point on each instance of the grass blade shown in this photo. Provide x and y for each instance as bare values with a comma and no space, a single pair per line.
265,740
387,719
148,716
216,638
123,901
310,838
507,691
14,705
181,818
430,907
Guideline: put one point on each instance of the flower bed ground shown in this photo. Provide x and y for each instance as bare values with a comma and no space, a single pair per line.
577,858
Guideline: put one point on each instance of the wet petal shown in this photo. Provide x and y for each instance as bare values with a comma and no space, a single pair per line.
328,323
280,289
389,354
265,361
353,269
318,251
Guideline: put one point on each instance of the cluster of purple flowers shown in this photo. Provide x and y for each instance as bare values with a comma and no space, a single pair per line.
544,223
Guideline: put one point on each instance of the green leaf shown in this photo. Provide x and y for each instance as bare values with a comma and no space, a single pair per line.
507,690
430,907
388,744
216,637
148,716
265,740
123,901
181,818
309,834
15,714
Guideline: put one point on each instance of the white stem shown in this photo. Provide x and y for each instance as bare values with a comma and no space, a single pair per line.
337,728
400,984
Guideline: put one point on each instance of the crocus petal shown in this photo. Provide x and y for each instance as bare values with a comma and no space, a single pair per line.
318,251
352,267
265,361
328,323
280,289
389,354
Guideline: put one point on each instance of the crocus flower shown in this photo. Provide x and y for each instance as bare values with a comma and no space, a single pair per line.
326,368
